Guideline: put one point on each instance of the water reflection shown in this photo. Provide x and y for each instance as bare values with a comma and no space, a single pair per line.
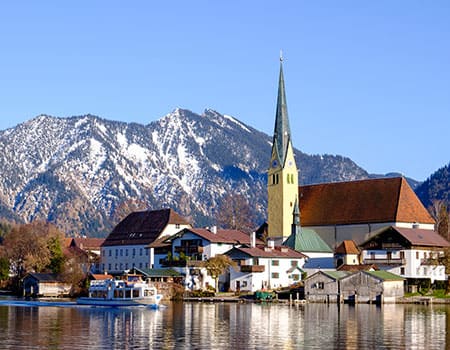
226,326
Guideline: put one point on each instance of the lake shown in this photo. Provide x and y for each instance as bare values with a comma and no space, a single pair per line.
227,326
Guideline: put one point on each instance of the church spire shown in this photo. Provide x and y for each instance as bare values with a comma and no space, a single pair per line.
282,132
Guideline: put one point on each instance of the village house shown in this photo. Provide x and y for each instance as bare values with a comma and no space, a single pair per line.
45,285
347,253
191,246
411,253
127,246
371,287
353,287
265,267
324,286
86,252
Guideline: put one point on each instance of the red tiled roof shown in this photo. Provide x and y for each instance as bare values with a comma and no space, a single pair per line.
357,268
223,236
143,227
276,252
364,201
101,276
88,243
347,247
420,237
406,237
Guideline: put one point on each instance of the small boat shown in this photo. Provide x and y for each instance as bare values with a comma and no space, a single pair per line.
130,292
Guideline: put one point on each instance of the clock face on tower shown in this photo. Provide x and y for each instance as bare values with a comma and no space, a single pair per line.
274,163
290,163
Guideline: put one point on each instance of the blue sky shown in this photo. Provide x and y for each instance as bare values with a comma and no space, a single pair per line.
365,79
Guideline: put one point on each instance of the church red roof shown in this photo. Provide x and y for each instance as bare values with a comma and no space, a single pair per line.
364,201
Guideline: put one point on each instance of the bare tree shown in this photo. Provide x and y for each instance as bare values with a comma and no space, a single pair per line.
234,212
440,213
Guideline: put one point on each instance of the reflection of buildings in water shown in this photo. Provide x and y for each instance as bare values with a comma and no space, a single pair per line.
125,327
425,320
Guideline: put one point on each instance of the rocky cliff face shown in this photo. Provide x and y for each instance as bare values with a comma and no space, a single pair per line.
76,171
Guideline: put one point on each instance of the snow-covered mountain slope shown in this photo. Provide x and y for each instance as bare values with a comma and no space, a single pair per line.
76,171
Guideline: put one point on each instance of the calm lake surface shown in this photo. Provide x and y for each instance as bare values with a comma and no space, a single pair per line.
227,326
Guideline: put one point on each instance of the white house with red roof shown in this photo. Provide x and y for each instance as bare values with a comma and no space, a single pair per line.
197,245
408,252
127,246
265,267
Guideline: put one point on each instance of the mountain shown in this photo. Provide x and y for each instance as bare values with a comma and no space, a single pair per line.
436,187
76,172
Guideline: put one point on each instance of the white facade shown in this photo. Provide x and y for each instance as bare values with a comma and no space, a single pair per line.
274,273
124,257
408,263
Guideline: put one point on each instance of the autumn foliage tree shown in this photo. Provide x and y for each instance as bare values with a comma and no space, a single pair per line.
34,247
216,266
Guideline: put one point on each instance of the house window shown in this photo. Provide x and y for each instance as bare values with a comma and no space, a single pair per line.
109,266
294,263
121,252
126,266
275,262
110,251
402,254
126,252
417,255
177,226
134,252
318,285
140,265
402,270
117,253
275,275
296,277
140,251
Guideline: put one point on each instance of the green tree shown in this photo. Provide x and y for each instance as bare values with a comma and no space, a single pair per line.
216,266
4,269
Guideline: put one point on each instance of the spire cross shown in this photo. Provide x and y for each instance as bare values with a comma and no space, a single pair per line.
281,55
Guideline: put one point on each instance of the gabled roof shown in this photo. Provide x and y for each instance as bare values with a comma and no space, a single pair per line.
221,236
307,241
44,277
158,272
384,275
334,275
142,227
264,252
101,276
347,247
364,201
405,237
87,243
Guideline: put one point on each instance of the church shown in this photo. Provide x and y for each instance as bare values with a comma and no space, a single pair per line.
323,215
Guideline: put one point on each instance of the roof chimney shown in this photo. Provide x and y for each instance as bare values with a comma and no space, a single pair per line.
253,239
271,243
213,229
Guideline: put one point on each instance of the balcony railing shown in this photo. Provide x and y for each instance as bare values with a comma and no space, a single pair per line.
385,261
252,268
189,250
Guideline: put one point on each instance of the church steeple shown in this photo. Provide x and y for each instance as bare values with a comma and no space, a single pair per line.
282,182
282,132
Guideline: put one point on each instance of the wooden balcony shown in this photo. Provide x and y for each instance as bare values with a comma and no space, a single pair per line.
385,261
189,250
252,268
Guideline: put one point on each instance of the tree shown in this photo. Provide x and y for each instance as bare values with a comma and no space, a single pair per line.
440,213
216,266
30,247
235,213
